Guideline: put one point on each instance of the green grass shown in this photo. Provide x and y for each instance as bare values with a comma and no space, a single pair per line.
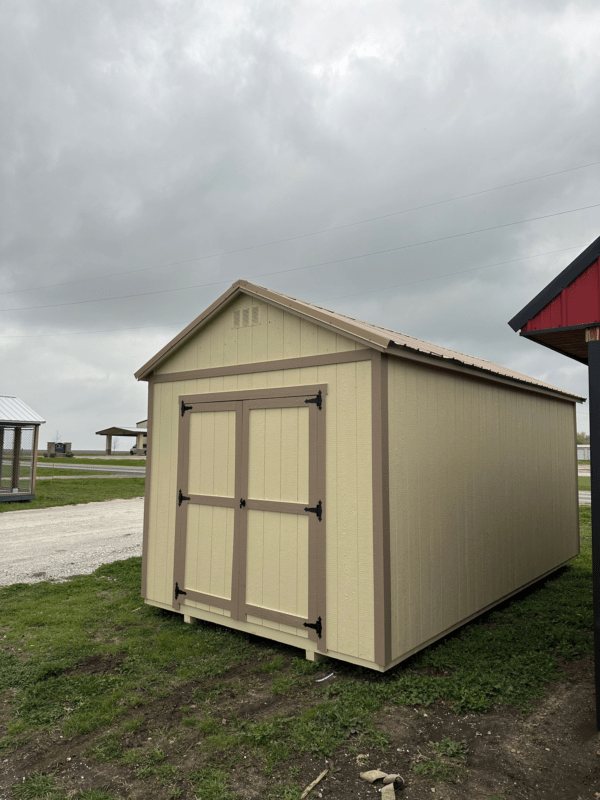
584,484
43,787
101,462
507,657
64,493
61,473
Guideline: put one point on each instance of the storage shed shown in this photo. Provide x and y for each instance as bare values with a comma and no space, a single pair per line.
343,488
19,434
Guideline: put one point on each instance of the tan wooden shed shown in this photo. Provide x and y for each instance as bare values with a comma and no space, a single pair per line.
343,488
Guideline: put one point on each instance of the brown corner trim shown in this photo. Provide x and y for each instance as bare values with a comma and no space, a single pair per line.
144,591
381,513
323,360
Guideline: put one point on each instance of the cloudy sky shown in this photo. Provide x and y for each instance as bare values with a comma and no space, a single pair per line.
152,152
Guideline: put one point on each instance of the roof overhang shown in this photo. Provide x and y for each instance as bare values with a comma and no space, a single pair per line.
115,431
568,341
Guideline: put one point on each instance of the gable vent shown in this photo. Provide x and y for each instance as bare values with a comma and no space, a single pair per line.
246,317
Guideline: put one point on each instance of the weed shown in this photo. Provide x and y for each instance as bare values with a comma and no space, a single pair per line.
38,787
300,666
438,770
450,747
274,665
96,794
210,783
108,748
282,684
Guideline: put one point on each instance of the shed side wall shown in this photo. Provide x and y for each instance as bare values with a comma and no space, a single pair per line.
483,496
349,503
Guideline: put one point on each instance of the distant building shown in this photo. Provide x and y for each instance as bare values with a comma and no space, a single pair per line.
140,433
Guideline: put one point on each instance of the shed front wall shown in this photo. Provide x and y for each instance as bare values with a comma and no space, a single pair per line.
483,496
349,500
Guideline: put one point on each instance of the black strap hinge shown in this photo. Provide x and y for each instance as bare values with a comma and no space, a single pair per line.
178,591
316,626
318,399
184,408
182,497
318,510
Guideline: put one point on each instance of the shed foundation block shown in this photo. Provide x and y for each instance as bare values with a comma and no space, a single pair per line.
312,655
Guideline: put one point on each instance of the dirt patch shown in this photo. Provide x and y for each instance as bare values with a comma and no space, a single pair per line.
552,752
97,665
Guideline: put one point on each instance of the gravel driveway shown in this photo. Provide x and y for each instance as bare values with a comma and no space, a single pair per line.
46,543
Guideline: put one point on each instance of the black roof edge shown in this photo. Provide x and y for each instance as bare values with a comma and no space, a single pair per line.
555,287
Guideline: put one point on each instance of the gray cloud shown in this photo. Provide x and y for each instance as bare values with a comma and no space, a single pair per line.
145,133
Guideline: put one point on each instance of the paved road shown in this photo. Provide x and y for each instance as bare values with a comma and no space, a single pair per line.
138,471
40,544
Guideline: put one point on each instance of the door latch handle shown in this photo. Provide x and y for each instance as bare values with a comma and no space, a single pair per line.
242,503
182,497
318,510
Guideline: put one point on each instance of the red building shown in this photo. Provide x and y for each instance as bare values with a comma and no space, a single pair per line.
565,316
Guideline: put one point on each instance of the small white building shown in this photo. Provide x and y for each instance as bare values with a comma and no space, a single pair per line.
19,434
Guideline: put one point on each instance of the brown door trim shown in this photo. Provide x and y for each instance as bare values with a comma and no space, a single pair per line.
254,394
242,402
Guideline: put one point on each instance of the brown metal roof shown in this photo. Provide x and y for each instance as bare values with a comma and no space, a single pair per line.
371,335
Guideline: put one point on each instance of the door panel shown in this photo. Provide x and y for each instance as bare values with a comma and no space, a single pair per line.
278,454
211,468
277,562
209,551
250,535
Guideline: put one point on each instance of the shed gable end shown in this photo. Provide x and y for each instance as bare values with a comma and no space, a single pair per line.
250,331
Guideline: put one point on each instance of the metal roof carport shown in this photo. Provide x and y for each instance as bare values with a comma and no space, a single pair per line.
117,431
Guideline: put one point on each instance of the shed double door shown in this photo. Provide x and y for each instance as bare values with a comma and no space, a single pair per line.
251,505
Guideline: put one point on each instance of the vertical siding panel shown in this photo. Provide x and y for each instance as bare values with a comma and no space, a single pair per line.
291,336
342,344
308,338
164,480
346,492
255,558
364,509
404,460
328,375
260,335
413,532
326,341
432,477
275,334
245,337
